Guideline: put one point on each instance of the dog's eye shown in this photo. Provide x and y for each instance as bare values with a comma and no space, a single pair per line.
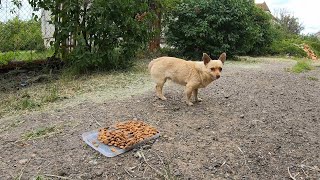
212,69
220,69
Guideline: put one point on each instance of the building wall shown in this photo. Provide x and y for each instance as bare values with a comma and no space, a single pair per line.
47,28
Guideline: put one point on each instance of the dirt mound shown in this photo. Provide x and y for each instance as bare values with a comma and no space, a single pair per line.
309,52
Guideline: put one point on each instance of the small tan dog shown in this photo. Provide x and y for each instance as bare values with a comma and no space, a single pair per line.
192,74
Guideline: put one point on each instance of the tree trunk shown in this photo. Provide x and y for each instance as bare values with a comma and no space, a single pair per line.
154,44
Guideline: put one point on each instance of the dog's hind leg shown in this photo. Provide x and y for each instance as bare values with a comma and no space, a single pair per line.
159,88
195,94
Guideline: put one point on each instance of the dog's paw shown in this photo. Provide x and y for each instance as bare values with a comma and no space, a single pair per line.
198,100
189,103
163,98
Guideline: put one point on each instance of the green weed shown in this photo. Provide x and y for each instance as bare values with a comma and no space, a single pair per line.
53,94
311,78
301,66
40,132
28,103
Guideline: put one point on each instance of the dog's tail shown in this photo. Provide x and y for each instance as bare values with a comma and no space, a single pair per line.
151,64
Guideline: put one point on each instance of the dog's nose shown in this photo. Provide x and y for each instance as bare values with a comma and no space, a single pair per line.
217,76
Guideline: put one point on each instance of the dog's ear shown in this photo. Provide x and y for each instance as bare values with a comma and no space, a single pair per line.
205,58
223,57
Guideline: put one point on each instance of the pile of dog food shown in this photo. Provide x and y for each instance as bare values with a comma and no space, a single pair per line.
126,134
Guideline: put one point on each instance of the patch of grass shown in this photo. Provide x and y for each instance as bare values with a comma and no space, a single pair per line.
6,57
27,103
301,66
39,95
39,178
53,94
40,132
311,78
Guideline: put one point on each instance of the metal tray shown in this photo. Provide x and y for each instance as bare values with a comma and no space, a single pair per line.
92,136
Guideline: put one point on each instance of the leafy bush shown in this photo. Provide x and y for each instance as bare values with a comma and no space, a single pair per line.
232,26
287,46
20,35
6,57
107,34
291,44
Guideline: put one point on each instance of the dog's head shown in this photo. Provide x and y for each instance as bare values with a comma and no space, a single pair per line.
214,67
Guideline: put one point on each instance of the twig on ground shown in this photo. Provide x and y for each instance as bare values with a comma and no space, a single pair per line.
55,176
156,170
245,160
292,177
223,163
95,120
125,169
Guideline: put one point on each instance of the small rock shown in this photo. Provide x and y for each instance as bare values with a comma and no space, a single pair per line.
242,116
62,173
119,164
207,126
177,172
210,167
98,172
135,119
94,162
23,161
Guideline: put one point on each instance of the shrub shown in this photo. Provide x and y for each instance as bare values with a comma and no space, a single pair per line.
287,47
232,26
21,35
6,57
107,34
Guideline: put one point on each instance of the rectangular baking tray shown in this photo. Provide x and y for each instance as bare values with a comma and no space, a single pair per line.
92,136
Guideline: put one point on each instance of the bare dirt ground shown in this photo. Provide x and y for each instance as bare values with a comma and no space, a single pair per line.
258,121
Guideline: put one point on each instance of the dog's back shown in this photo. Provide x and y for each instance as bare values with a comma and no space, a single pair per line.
175,69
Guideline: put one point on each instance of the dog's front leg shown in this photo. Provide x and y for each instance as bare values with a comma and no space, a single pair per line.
188,92
195,94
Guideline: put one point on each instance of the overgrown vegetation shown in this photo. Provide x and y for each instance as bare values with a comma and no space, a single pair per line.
21,35
287,38
232,26
29,56
302,66
105,34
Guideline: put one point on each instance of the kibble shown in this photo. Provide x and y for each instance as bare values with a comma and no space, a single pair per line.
126,134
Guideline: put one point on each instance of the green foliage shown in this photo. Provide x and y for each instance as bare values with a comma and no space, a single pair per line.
265,32
232,26
286,43
53,94
21,35
107,33
5,58
313,42
27,103
287,47
301,66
